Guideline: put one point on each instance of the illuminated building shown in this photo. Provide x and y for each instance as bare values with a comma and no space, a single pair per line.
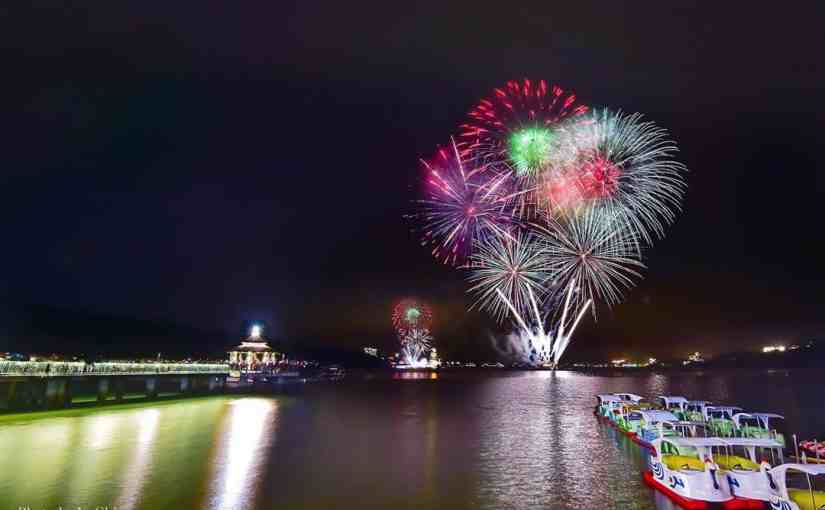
435,361
253,354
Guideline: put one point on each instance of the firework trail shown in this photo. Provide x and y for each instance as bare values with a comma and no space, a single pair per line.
464,203
413,345
592,256
512,266
593,253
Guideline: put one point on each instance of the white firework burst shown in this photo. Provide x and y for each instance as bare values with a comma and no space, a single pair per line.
621,162
592,256
414,343
512,266
593,252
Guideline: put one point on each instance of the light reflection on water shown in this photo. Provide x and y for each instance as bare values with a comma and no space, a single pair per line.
140,465
241,451
464,440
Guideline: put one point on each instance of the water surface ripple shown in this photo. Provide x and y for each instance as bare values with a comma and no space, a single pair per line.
490,440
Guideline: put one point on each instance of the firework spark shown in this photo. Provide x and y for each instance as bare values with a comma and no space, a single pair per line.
516,124
464,203
414,343
549,207
512,266
592,256
594,252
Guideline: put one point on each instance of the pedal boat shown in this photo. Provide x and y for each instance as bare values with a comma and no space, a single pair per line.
720,419
677,469
751,486
760,425
674,404
651,426
807,481
607,404
694,410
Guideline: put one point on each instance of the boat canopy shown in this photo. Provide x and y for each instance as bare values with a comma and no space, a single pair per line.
629,396
673,399
685,423
696,442
699,403
761,417
608,398
779,474
753,441
724,408
728,410
656,416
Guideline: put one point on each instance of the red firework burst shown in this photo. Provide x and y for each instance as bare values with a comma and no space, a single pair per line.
598,178
515,106
577,184
411,314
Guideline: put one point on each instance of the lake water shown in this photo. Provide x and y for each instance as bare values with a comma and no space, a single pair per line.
453,440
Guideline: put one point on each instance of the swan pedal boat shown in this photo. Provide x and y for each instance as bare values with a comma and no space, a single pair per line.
658,424
743,474
720,419
798,498
677,470
760,425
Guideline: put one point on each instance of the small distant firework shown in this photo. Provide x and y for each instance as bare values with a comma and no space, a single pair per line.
410,314
463,203
515,125
414,343
617,161
512,266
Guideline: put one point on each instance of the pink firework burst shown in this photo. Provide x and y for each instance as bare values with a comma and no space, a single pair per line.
463,203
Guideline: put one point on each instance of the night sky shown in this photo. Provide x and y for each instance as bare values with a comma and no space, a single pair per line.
212,164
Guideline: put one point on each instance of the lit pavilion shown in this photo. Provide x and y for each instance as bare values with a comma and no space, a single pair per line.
253,354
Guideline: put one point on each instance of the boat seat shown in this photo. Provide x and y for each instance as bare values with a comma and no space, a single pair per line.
735,462
680,462
802,498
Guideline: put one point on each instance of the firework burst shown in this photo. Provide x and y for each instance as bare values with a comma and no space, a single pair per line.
516,124
509,266
410,314
616,161
414,343
464,203
593,253
549,206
